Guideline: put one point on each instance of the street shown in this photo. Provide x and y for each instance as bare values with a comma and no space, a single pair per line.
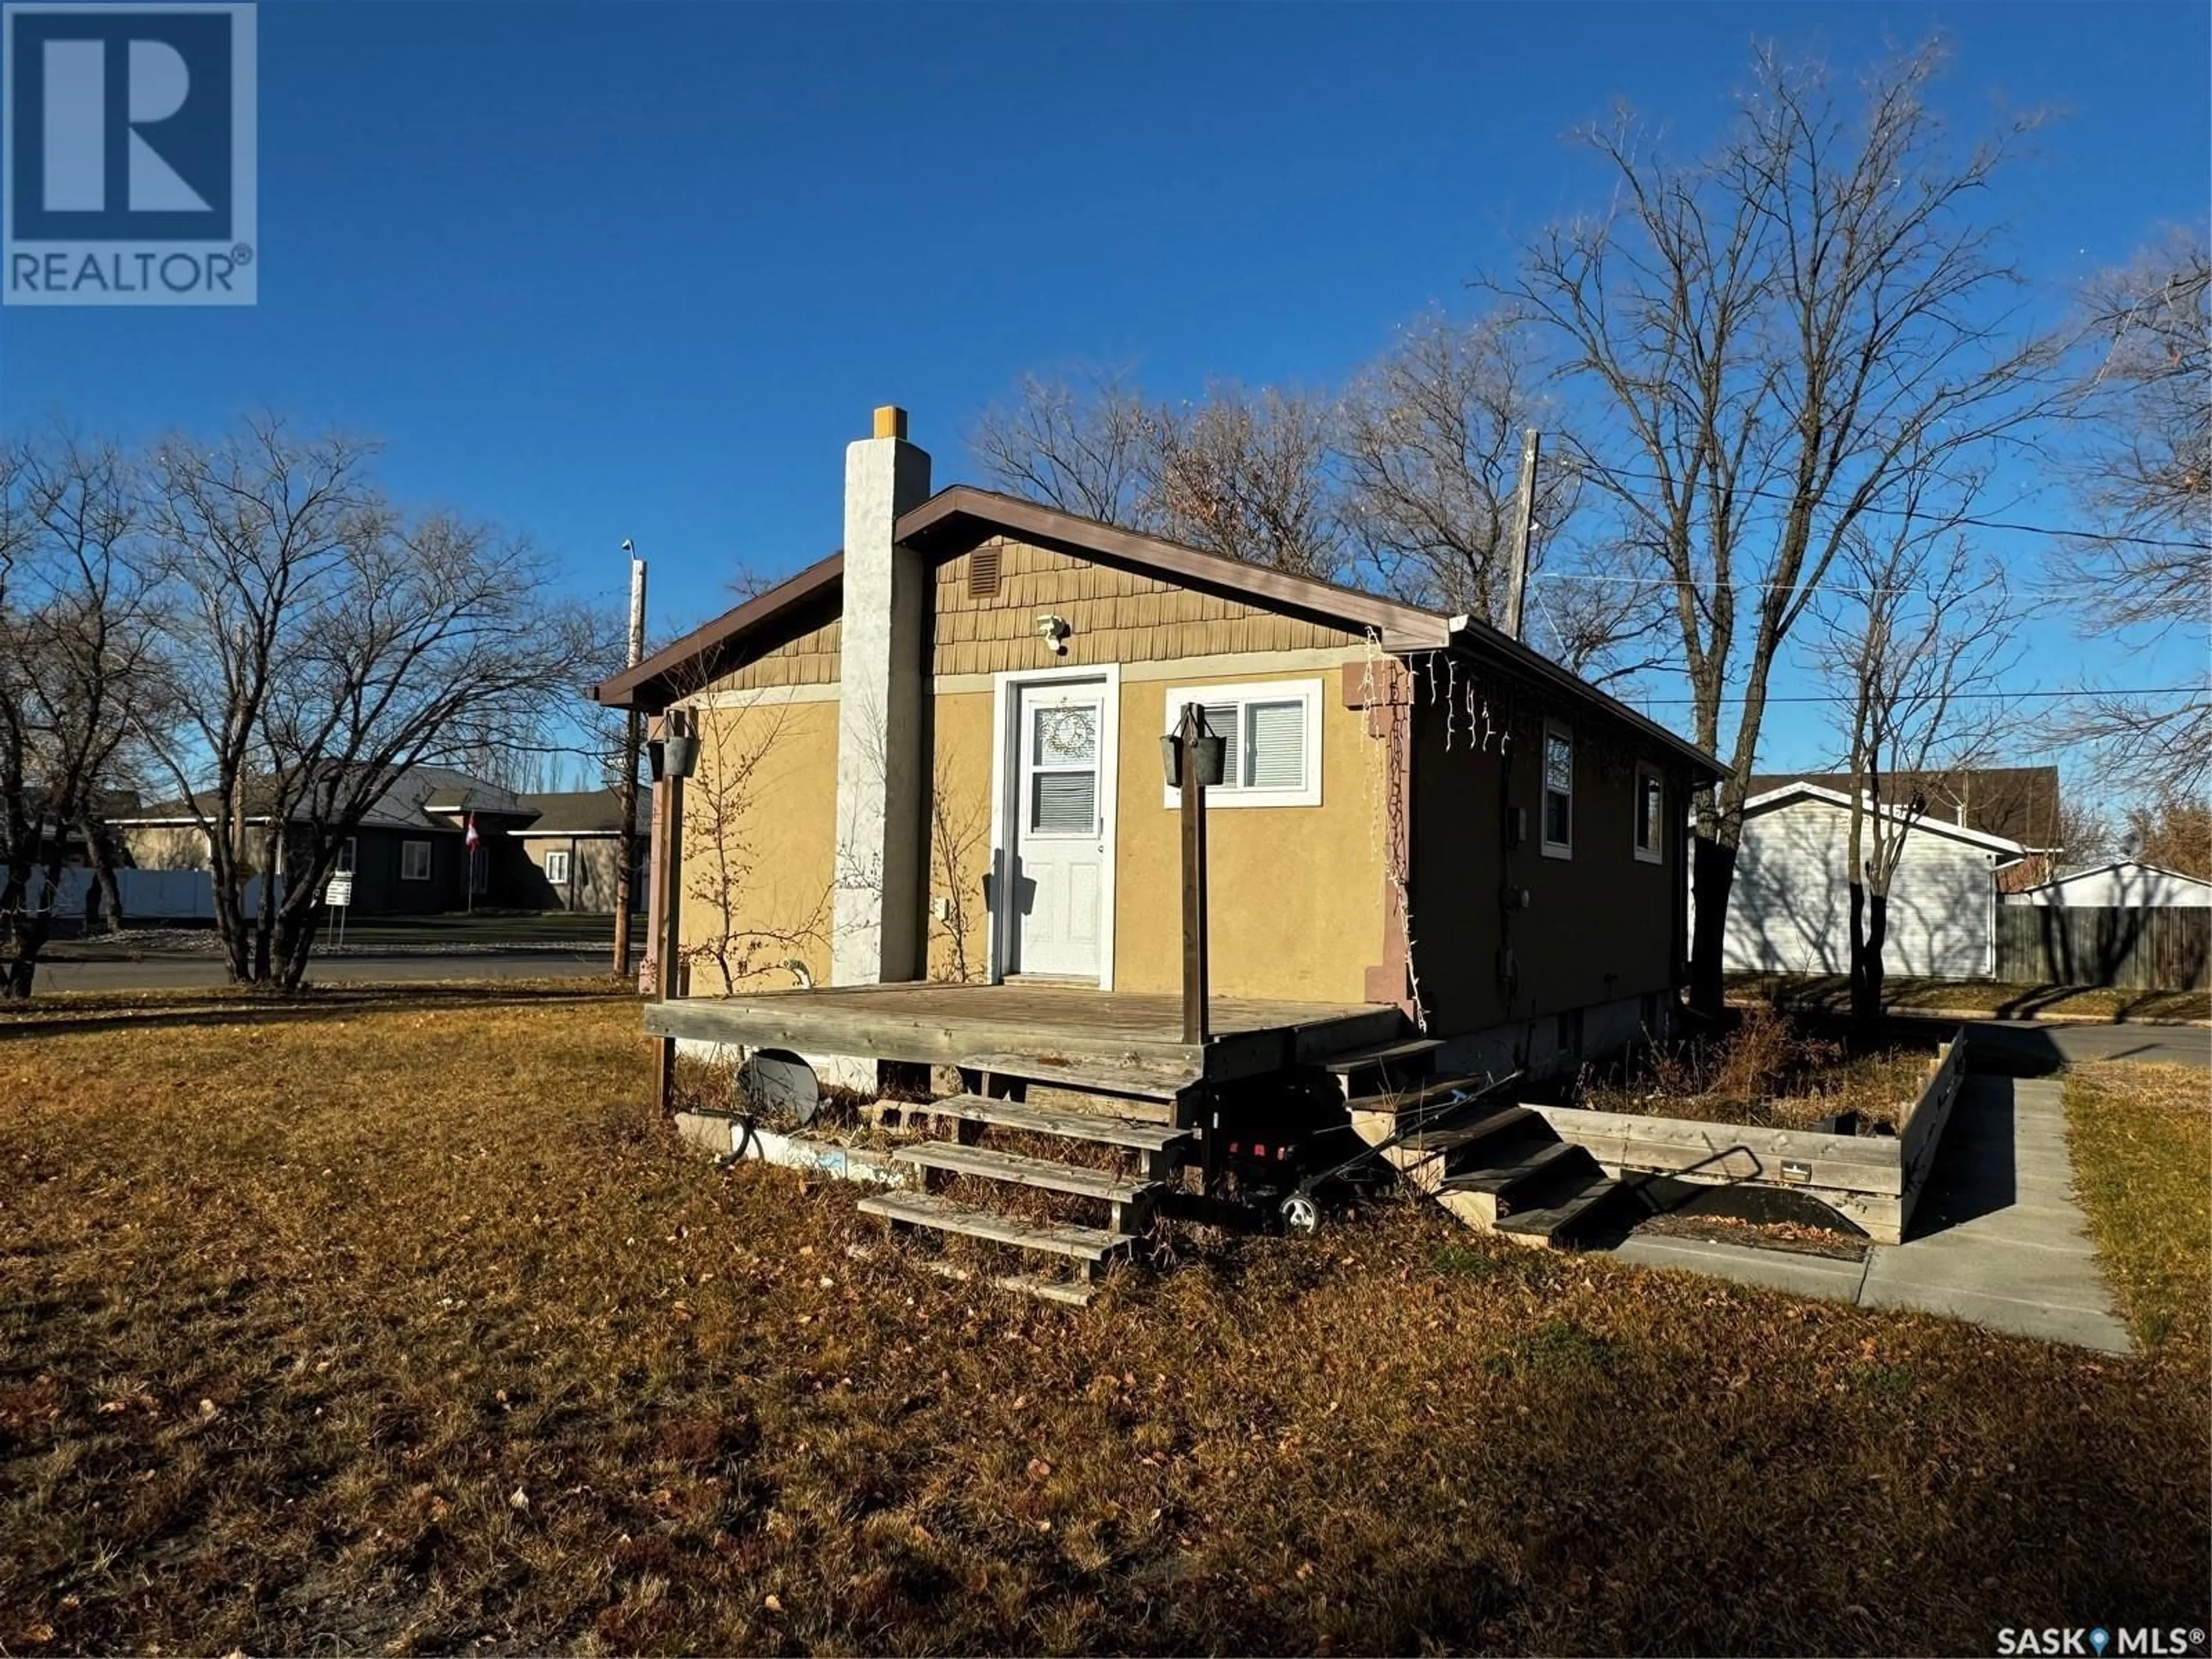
192,972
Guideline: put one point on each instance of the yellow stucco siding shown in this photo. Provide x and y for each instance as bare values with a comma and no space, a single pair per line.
1114,616
957,824
760,833
1296,892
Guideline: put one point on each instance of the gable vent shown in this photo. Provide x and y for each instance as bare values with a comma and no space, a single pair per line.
983,573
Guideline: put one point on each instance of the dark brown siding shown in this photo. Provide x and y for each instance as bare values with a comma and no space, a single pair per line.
1599,926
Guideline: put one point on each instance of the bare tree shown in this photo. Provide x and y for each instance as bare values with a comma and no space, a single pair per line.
2142,475
749,930
77,667
959,858
2173,831
1762,350
1430,439
1247,475
1083,442
1916,636
324,643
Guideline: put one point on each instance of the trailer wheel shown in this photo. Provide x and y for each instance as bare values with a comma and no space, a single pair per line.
1301,1215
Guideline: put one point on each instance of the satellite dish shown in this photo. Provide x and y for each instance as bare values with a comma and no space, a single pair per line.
780,1086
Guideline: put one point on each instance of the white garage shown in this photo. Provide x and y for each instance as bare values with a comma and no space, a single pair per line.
1789,910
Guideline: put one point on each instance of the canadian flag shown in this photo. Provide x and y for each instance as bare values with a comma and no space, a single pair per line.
472,832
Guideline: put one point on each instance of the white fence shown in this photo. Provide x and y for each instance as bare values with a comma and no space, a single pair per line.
151,895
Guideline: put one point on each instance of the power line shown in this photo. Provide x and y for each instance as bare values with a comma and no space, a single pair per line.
1759,494
1962,696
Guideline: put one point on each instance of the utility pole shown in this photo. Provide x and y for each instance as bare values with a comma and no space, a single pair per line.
626,876
1524,514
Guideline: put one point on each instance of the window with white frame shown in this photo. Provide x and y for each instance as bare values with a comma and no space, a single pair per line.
1558,791
1651,815
414,861
1270,741
557,867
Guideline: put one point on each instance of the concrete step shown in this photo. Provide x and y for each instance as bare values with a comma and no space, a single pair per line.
1041,1172
1090,1077
1100,1126
1090,1244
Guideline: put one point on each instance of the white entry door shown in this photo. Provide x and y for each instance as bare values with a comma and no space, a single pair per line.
1061,736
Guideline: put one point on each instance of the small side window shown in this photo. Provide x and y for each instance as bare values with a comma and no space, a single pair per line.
414,861
557,868
1559,792
1651,815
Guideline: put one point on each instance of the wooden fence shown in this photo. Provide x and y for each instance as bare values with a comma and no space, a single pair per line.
2139,948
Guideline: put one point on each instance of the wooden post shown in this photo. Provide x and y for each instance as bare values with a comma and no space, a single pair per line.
1194,1022
633,731
668,906
1524,513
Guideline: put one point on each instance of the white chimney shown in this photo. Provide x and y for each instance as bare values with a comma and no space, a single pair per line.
876,929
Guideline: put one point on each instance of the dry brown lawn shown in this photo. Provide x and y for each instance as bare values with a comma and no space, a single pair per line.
1831,993
405,1325
2142,1141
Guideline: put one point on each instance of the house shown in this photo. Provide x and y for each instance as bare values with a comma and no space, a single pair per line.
2013,803
2124,884
935,756
409,857
568,857
1789,907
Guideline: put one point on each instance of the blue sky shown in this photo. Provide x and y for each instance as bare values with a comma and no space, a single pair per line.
609,269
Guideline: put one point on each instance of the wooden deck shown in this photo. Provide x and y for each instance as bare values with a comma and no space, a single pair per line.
945,1025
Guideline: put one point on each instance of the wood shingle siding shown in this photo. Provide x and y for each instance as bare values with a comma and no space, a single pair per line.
1114,616
807,659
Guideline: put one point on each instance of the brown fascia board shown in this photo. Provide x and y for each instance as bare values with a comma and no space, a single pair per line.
1479,639
633,688
965,508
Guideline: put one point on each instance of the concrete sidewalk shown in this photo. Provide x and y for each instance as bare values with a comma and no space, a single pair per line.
1997,1238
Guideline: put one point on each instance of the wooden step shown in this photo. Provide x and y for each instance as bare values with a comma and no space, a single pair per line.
1053,1238
1499,1189
1074,1292
1386,1053
1068,1126
1084,1076
1557,1222
1494,1128
1401,1101
1041,1172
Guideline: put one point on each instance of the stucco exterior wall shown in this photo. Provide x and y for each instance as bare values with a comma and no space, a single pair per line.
759,843
1114,616
1599,926
1295,893
957,820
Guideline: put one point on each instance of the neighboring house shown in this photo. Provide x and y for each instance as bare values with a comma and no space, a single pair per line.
2012,803
409,857
569,856
936,755
2124,883
1790,907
